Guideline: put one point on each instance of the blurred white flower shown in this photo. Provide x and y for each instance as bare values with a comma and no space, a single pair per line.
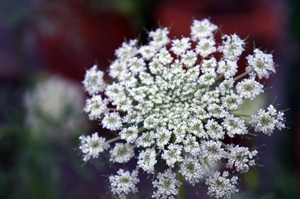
54,107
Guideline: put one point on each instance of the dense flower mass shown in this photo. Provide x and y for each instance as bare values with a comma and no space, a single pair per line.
177,102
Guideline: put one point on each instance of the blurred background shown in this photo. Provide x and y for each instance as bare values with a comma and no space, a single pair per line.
45,48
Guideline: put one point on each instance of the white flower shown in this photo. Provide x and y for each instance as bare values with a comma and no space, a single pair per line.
179,47
118,69
123,103
147,52
221,186
241,158
147,160
209,65
121,153
266,121
164,56
146,139
212,150
93,81
216,111
156,66
127,50
136,65
129,134
196,127
201,29
191,169
123,183
175,101
261,63
159,38
228,68
54,109
95,107
232,102
249,88
92,146
232,47
191,145
207,78
112,121
128,80
167,185
163,137
226,86
114,91
189,59
133,117
172,154
214,130
234,126
206,46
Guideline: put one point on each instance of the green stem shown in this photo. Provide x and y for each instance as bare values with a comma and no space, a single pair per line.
241,75
181,188
114,139
141,129
218,78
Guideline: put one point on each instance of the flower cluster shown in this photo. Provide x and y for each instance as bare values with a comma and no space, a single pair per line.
177,102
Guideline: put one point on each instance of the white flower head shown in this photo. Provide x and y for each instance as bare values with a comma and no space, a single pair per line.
221,186
212,150
112,121
214,130
167,185
206,46
96,107
234,126
209,66
232,101
127,50
226,86
159,37
147,160
91,146
93,81
228,68
129,134
146,139
147,52
196,127
189,59
192,170
136,65
232,47
241,158
164,56
115,90
155,66
177,101
128,80
172,154
266,121
163,137
117,69
261,63
249,88
121,153
179,47
123,183
191,145
202,29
